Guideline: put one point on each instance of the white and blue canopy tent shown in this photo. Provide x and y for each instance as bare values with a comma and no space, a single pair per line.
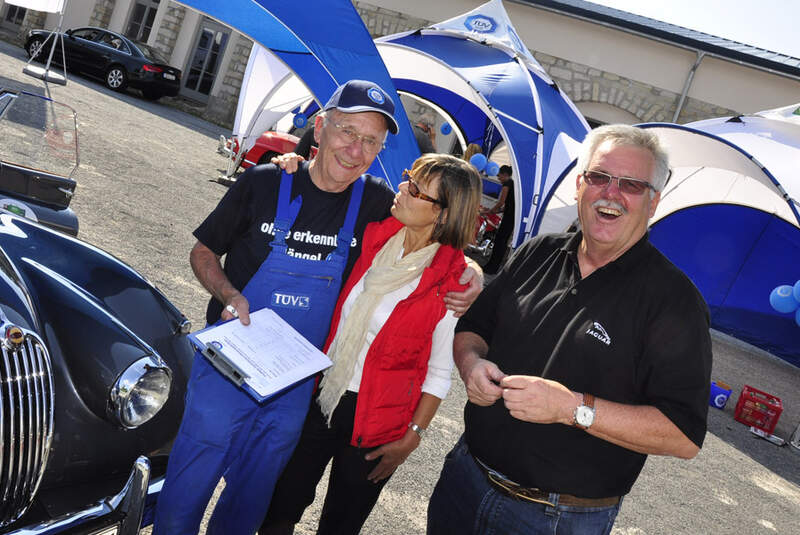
728,218
323,51
475,68
476,73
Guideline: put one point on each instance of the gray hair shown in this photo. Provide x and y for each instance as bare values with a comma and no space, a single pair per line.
623,134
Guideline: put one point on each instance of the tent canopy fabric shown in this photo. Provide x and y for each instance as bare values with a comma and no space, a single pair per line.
314,48
475,63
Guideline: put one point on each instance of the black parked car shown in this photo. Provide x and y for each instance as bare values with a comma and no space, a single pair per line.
116,59
94,362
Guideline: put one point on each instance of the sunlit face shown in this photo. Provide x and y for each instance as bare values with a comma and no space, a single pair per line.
341,161
611,220
417,213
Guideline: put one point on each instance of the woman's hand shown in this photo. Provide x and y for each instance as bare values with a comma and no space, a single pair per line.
392,454
289,162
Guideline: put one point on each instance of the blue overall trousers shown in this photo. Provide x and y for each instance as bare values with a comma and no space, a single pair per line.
224,431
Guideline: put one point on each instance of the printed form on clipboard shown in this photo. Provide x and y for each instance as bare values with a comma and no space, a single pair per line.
262,358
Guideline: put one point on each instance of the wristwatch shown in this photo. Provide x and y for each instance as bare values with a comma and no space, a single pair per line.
417,429
583,416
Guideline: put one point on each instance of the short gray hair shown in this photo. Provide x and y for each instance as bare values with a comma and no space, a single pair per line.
623,134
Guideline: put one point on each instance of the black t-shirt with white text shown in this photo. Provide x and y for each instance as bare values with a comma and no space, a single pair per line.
241,226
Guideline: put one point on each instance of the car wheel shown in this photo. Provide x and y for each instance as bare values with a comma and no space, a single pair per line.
149,94
116,78
33,47
267,156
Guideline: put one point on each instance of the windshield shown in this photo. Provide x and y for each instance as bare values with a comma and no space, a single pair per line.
151,54
38,133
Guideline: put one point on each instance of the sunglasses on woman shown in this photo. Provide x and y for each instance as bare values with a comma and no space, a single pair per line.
414,191
631,186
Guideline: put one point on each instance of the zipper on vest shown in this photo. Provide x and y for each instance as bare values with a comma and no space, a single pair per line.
294,274
358,442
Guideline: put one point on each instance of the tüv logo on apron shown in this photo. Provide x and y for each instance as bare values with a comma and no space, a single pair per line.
480,23
287,300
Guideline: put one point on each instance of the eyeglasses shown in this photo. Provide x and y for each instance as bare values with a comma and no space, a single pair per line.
631,186
414,191
348,134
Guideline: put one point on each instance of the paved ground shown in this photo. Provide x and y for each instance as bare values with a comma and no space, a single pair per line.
146,179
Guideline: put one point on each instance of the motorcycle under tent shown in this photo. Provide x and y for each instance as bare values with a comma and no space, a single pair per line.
314,49
728,218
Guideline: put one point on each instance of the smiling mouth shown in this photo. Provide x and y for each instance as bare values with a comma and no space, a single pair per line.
346,165
608,213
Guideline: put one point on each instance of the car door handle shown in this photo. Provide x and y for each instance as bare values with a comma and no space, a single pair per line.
67,192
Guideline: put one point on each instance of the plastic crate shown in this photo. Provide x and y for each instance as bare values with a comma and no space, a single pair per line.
758,409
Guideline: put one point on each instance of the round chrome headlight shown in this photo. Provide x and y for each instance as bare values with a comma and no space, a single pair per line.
140,392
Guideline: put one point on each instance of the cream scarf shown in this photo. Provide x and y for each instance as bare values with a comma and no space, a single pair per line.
387,273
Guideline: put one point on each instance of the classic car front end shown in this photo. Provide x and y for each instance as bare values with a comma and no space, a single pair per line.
92,378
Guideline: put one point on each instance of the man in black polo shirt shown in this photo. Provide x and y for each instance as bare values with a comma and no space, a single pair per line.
588,352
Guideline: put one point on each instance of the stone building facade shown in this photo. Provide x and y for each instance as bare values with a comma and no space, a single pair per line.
583,83
594,91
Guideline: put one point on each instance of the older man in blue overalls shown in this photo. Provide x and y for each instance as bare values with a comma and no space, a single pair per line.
283,235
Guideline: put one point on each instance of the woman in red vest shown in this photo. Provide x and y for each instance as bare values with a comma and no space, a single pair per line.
391,343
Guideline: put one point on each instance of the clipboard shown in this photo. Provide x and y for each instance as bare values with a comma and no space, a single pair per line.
263,359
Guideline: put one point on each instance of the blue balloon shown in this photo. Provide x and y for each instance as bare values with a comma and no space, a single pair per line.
796,291
446,129
479,161
300,120
492,168
782,299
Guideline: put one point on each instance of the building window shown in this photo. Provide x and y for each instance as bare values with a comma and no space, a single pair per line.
141,21
205,60
14,15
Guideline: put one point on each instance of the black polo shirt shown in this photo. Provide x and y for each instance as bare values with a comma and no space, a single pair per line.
241,226
634,331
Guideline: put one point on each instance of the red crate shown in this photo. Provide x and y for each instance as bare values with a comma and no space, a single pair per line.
758,409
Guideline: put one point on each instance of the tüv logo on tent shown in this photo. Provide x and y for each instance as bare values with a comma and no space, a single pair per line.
480,23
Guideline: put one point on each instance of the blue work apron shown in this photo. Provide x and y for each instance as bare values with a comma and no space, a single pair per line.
224,431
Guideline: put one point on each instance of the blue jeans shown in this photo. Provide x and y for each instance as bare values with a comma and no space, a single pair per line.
464,502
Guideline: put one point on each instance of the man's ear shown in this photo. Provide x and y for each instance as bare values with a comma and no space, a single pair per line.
319,122
577,185
654,204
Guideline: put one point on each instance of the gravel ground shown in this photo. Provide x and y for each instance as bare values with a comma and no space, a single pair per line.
147,178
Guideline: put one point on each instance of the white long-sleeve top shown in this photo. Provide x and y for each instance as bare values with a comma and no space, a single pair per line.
437,380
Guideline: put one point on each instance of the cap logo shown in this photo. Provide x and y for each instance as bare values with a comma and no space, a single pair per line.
480,24
375,95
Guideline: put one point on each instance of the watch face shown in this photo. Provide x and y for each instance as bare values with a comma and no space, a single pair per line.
584,416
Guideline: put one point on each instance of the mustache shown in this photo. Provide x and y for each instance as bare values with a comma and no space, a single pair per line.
605,203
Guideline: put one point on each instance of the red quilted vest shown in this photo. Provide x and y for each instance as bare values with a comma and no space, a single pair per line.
397,360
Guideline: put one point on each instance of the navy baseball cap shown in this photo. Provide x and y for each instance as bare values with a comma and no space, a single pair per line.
360,95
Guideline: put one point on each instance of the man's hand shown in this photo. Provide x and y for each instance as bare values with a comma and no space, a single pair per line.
459,302
392,454
239,303
289,162
537,400
481,380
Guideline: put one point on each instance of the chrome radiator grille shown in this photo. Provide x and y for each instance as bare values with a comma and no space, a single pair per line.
26,423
